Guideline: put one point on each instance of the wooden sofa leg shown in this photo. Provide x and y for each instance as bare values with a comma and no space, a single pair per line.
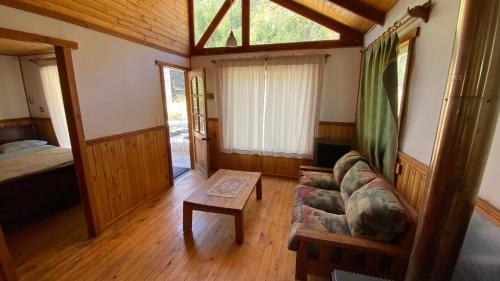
301,262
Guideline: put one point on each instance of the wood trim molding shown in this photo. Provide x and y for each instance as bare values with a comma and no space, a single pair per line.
344,30
31,37
172,65
488,210
336,123
414,162
6,123
123,135
326,44
361,9
245,22
80,22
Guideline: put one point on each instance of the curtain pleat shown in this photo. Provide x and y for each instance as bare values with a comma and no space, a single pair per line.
376,124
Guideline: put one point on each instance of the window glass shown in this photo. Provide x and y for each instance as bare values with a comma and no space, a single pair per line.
232,19
402,69
271,24
204,13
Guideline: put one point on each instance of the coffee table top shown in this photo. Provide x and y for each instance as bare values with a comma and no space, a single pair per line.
199,197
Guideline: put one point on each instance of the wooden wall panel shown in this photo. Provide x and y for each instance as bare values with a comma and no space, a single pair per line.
411,178
45,130
336,130
126,170
6,123
162,24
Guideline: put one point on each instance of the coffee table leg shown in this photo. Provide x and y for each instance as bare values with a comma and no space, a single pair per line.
187,218
259,189
239,227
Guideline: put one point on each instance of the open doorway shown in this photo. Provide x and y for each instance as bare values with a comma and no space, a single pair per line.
176,104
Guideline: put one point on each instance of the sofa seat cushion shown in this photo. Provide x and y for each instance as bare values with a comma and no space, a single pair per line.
314,219
318,180
358,175
325,200
374,212
344,164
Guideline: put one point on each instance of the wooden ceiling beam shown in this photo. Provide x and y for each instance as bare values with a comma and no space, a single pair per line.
326,44
362,10
215,22
344,30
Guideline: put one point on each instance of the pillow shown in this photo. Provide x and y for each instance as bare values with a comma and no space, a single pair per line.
326,200
374,212
318,180
310,218
344,164
17,145
357,176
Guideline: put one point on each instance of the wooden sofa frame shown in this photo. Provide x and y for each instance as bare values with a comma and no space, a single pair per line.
358,255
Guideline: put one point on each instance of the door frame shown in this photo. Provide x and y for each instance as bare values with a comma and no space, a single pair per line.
185,70
67,79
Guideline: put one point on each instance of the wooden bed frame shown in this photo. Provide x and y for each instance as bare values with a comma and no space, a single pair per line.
39,194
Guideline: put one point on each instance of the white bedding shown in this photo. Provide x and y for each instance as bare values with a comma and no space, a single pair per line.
32,161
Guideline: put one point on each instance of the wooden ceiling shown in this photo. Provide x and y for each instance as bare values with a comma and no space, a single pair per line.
10,47
360,15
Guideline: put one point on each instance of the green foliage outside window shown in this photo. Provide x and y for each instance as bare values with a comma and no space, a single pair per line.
269,24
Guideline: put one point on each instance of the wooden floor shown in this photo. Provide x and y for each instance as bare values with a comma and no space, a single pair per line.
148,244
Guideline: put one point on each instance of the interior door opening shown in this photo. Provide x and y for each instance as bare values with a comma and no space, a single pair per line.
177,120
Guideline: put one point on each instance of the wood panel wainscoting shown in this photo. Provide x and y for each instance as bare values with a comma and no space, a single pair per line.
127,169
411,179
45,129
163,25
336,130
6,123
273,166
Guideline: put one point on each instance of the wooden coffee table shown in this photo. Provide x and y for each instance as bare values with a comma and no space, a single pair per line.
200,201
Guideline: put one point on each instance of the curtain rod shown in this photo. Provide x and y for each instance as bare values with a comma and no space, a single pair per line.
421,11
266,57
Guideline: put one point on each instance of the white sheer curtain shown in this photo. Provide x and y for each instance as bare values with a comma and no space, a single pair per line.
240,99
53,95
293,88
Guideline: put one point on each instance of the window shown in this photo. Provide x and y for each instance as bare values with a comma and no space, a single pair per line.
403,74
272,24
269,107
269,24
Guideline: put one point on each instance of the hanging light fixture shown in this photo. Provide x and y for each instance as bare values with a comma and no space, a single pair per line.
231,40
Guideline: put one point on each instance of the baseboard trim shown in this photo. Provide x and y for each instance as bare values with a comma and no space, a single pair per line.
488,210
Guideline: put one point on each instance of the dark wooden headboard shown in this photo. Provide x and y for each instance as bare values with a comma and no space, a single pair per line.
10,134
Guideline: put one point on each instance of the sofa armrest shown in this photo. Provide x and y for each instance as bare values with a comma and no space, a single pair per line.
316,169
349,242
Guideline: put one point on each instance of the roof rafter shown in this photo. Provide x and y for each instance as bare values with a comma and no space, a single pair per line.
215,22
344,30
361,10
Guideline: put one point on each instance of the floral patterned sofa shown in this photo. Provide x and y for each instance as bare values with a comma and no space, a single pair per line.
351,219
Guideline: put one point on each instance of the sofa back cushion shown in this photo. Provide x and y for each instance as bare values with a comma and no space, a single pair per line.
374,212
358,175
344,164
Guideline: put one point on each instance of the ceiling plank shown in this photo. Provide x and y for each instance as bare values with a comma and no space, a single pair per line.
215,22
362,10
326,44
344,30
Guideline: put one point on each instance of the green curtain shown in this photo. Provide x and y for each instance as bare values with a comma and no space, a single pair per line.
376,124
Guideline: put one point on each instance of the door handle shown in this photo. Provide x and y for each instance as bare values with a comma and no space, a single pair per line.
205,139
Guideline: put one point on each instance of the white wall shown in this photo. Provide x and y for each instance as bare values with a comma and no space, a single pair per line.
12,99
118,82
34,88
433,50
490,186
340,82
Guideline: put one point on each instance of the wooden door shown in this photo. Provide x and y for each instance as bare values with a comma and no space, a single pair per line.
199,121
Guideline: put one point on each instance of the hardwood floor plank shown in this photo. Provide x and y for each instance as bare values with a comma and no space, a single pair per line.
149,244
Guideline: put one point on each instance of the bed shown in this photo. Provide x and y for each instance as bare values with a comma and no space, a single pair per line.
36,179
